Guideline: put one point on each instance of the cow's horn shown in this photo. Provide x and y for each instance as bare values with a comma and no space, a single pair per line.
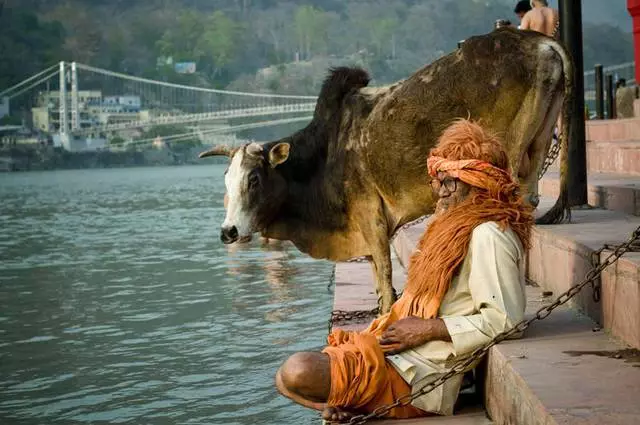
217,150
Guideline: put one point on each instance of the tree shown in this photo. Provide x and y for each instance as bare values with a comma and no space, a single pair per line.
310,26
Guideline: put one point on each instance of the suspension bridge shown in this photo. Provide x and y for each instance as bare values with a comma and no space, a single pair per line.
73,102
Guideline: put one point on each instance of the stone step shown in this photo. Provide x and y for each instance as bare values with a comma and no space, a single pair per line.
618,156
607,191
476,416
563,371
561,256
618,130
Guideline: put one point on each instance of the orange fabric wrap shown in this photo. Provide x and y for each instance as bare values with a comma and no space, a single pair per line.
361,378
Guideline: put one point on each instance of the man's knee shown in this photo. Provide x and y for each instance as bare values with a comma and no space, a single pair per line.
303,370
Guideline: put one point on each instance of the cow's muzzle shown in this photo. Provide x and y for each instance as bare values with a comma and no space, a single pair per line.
229,234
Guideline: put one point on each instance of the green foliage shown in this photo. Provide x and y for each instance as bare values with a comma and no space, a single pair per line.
116,141
27,45
231,38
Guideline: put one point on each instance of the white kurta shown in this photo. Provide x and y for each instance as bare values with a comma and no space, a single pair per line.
485,298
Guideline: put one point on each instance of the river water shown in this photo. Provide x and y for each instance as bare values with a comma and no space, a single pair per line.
119,304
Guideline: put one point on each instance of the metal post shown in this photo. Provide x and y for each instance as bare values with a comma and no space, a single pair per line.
62,104
611,98
599,92
571,30
75,113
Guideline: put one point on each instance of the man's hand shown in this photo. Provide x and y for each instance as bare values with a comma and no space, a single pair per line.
411,332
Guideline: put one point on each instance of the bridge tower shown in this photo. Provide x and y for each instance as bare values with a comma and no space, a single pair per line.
75,112
62,108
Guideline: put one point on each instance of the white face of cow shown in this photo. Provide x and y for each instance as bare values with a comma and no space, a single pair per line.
237,217
254,190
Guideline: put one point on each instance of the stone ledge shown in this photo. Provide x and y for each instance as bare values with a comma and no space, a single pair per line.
608,191
562,372
560,257
622,157
613,130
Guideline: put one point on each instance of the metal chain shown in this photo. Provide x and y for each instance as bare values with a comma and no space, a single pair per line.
462,365
552,155
595,260
367,258
341,317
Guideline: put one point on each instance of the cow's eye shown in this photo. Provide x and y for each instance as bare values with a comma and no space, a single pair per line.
254,179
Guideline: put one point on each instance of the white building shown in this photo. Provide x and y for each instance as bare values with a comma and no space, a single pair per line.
4,106
127,101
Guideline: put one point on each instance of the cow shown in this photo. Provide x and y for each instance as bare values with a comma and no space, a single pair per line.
343,185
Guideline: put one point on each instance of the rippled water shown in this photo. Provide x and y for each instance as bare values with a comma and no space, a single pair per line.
118,303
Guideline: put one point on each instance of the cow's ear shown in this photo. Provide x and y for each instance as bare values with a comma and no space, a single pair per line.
278,154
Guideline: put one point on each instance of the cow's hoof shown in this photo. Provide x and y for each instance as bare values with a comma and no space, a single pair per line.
385,302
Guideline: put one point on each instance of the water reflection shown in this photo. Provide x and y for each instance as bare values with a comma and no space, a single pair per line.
274,265
119,304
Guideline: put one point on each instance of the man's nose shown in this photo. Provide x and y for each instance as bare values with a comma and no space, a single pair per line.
443,192
229,234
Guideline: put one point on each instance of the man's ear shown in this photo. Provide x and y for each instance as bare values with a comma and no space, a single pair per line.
278,154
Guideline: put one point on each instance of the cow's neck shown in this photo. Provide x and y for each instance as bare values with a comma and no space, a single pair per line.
312,208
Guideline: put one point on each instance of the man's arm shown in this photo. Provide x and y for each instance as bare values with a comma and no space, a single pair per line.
494,283
412,332
526,21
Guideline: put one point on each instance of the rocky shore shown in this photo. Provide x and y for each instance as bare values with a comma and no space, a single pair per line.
37,158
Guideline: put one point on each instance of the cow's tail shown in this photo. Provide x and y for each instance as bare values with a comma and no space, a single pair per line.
561,211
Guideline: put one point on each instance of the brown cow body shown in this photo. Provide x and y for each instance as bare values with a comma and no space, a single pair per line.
343,185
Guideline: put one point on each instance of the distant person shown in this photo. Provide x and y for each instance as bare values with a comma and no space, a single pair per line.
625,96
521,9
542,18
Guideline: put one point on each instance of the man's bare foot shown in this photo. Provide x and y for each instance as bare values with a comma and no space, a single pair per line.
337,414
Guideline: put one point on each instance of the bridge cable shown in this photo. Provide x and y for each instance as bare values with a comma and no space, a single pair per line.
33,77
182,86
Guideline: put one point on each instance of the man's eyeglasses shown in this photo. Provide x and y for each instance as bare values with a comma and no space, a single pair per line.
449,183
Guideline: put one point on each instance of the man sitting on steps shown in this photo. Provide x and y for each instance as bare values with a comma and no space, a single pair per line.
465,285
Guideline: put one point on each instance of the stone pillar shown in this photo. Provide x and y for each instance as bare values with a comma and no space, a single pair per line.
75,113
633,6
62,105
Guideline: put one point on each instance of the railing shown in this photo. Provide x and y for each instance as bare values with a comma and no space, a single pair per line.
207,116
623,70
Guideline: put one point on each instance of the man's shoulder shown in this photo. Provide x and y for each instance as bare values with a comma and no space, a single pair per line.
491,231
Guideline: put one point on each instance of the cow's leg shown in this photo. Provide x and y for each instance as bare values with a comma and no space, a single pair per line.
382,272
377,238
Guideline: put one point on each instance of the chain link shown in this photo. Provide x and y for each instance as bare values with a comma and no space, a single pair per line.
552,155
462,365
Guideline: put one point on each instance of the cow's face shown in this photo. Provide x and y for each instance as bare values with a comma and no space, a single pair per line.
255,190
